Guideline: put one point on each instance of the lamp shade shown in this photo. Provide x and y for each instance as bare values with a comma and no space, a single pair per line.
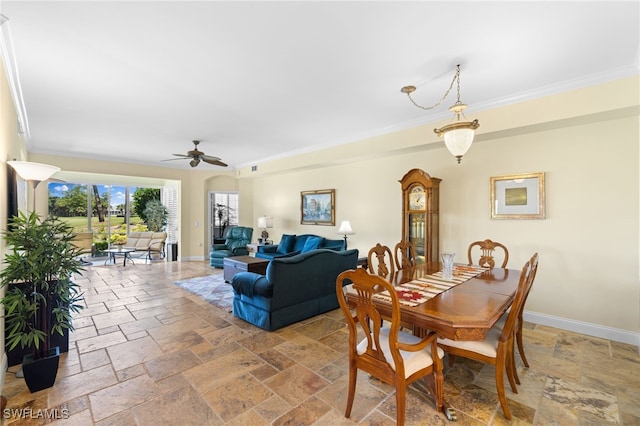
265,222
458,141
33,171
345,228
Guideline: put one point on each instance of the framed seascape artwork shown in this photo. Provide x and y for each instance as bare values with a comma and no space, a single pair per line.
518,196
318,207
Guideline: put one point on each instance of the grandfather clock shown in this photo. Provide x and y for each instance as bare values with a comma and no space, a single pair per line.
421,213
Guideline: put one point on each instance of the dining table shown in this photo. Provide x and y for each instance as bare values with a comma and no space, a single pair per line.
465,308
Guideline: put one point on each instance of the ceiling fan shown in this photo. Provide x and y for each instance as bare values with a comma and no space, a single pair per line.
196,156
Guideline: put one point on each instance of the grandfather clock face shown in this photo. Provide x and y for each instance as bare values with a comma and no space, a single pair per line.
417,199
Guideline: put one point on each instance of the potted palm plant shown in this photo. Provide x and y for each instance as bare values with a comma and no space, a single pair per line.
40,296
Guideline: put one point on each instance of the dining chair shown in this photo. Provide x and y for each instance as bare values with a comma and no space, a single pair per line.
393,356
518,328
487,250
405,259
380,261
497,347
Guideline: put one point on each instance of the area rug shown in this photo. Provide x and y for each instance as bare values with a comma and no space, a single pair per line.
211,288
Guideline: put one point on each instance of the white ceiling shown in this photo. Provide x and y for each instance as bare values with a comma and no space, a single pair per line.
137,81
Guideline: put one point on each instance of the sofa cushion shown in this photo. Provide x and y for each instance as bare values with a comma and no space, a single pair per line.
332,244
142,241
286,243
312,243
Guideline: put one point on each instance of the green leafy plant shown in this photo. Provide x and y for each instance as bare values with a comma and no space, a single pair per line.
118,239
156,215
140,199
38,270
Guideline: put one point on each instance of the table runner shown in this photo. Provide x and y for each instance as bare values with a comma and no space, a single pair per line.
421,289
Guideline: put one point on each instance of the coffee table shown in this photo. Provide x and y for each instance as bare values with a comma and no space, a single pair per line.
235,264
124,252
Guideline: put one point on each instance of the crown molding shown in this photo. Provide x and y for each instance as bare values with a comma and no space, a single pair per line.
13,78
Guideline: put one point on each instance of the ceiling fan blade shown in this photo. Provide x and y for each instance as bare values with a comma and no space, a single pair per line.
214,162
171,159
196,156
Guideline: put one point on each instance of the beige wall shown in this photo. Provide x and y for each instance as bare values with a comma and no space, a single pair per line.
591,200
586,143
11,148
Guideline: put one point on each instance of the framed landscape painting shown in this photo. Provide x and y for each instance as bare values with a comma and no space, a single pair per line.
318,207
518,196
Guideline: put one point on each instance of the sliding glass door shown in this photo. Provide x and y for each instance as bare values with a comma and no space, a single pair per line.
110,212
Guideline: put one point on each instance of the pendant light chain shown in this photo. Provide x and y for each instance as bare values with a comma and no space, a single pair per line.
455,78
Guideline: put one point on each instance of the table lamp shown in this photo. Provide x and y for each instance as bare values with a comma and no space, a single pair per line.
345,229
265,222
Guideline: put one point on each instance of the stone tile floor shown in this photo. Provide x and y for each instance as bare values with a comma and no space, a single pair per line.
146,352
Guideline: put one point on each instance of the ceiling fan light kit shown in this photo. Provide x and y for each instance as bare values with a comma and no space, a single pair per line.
458,135
196,156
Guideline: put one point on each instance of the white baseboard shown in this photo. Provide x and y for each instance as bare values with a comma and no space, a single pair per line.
590,329
192,259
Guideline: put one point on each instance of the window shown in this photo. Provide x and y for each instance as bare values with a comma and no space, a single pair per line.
223,208
109,211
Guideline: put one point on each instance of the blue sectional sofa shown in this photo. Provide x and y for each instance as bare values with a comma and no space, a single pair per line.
290,245
294,288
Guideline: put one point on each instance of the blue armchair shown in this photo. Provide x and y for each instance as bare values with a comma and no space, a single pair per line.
236,240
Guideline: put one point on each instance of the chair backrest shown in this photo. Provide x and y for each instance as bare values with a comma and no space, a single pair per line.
380,261
487,250
405,255
524,285
237,236
367,321
532,276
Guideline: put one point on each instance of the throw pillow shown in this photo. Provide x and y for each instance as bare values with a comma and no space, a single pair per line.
286,243
312,243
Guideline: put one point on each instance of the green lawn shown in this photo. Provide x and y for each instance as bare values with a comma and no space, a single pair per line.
79,223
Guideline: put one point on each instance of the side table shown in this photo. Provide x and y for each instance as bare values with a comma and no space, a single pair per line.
235,264
253,247
124,252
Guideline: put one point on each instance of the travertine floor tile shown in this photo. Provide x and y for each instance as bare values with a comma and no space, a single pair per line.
236,396
146,352
296,383
122,396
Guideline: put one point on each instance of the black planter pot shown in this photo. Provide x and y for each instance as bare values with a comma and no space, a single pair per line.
17,354
41,373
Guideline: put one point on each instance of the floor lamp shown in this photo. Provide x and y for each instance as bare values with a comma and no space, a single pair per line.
33,173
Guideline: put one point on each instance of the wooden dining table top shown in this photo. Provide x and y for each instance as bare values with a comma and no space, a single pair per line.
466,311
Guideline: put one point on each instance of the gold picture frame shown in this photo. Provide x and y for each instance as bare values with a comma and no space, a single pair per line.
318,207
518,196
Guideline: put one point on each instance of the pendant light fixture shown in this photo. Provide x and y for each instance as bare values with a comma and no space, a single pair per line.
459,134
